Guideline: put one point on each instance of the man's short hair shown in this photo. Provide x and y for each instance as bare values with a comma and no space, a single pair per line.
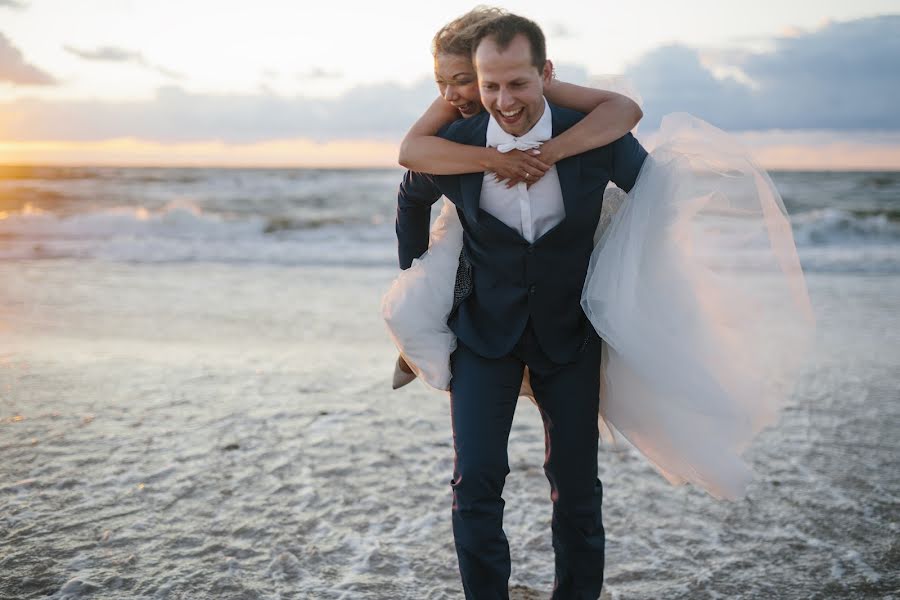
504,28
455,38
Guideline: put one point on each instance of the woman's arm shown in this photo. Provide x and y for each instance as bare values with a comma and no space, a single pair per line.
422,150
609,117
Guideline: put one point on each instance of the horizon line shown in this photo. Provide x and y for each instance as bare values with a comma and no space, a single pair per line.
338,167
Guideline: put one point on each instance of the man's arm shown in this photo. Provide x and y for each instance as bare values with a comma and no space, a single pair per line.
416,195
627,158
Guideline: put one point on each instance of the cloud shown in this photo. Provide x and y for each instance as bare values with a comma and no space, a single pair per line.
113,54
106,53
381,112
559,31
571,73
841,76
319,73
13,67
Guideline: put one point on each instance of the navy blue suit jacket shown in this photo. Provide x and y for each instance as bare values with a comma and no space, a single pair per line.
514,280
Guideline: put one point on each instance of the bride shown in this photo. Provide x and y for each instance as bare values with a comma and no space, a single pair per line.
694,284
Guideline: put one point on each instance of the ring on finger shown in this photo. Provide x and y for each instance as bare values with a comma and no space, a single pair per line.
527,174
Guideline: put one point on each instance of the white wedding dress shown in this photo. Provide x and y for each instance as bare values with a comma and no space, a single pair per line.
696,289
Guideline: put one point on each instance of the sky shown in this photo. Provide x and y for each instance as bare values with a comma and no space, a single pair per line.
807,85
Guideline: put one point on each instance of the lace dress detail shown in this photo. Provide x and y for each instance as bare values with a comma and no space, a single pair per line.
463,286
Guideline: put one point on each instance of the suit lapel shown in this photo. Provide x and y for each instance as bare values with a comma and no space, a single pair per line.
470,183
474,133
567,169
470,187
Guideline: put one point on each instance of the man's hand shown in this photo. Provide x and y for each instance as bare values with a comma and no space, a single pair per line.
517,166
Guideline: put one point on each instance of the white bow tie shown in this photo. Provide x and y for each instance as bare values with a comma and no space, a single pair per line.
518,145
504,142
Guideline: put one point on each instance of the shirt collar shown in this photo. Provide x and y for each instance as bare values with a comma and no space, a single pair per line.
541,132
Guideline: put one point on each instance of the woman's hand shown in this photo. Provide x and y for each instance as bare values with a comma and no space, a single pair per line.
551,152
517,166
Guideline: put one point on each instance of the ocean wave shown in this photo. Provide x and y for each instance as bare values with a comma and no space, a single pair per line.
183,233
174,221
828,240
179,220
832,226
823,227
881,180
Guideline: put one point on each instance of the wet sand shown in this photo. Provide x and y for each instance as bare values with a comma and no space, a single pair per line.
221,431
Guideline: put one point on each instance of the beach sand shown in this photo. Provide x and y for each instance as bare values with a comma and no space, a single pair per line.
194,430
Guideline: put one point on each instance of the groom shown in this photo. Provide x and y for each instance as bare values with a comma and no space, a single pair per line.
525,256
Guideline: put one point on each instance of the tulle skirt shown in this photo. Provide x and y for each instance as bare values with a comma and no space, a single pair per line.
695,287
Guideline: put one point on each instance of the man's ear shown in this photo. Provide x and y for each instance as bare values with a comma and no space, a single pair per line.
547,72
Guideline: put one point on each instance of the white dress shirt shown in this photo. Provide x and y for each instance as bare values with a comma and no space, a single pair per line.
532,212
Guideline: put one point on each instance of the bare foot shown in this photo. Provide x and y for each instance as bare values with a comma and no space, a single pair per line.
403,374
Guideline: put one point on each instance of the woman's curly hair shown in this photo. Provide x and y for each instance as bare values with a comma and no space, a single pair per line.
456,37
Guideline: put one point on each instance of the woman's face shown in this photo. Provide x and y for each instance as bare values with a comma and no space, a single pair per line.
457,83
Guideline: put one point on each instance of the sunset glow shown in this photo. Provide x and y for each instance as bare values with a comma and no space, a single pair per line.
286,84
133,152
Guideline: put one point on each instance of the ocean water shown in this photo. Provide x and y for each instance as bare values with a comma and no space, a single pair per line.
195,402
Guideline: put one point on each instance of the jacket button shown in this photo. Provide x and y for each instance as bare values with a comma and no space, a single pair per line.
529,250
531,290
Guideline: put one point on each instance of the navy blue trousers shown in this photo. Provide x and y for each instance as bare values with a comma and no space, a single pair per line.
484,395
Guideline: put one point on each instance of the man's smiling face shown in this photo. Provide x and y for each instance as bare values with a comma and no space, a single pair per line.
512,88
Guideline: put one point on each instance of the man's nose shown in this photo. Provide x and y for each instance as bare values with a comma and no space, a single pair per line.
505,101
